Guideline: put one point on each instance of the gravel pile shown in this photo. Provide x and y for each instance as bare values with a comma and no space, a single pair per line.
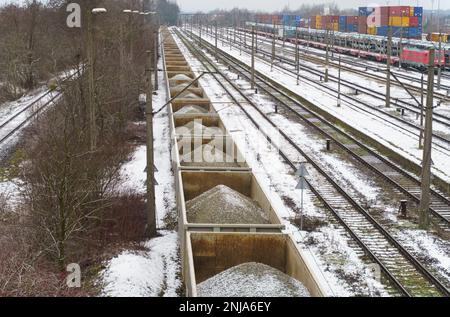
194,126
252,280
188,95
191,109
181,77
224,205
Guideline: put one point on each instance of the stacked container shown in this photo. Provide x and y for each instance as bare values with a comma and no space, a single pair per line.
405,21
352,24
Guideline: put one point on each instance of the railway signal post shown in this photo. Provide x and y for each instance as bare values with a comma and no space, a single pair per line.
424,217
302,172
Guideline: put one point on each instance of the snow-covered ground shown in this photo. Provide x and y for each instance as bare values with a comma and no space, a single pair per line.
153,270
398,140
146,273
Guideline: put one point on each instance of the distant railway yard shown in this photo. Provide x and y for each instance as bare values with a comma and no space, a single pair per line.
220,155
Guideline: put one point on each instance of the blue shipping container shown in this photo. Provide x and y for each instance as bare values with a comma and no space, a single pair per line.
418,11
365,11
382,30
352,28
414,32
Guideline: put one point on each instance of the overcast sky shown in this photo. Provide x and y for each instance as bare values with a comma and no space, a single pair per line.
271,5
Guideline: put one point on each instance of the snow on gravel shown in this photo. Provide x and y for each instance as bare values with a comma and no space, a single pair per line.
340,262
149,273
431,248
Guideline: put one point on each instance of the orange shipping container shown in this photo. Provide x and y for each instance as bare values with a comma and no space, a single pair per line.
399,21
372,30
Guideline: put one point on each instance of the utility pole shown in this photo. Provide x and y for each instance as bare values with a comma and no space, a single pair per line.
245,42
156,46
440,46
388,68
253,57
217,56
273,48
297,53
200,26
151,209
400,51
339,83
256,38
421,114
327,54
91,75
424,217
234,34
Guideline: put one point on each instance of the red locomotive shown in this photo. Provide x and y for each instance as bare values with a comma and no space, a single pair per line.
419,58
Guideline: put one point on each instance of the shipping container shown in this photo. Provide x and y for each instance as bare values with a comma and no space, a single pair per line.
365,11
372,30
414,32
435,37
382,30
414,21
352,28
399,11
333,19
399,21
318,22
352,19
418,11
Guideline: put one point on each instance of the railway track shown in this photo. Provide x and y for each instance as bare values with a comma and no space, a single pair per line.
412,107
408,275
441,143
404,181
365,67
10,126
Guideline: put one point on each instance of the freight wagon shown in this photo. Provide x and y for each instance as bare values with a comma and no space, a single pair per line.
371,47
226,218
